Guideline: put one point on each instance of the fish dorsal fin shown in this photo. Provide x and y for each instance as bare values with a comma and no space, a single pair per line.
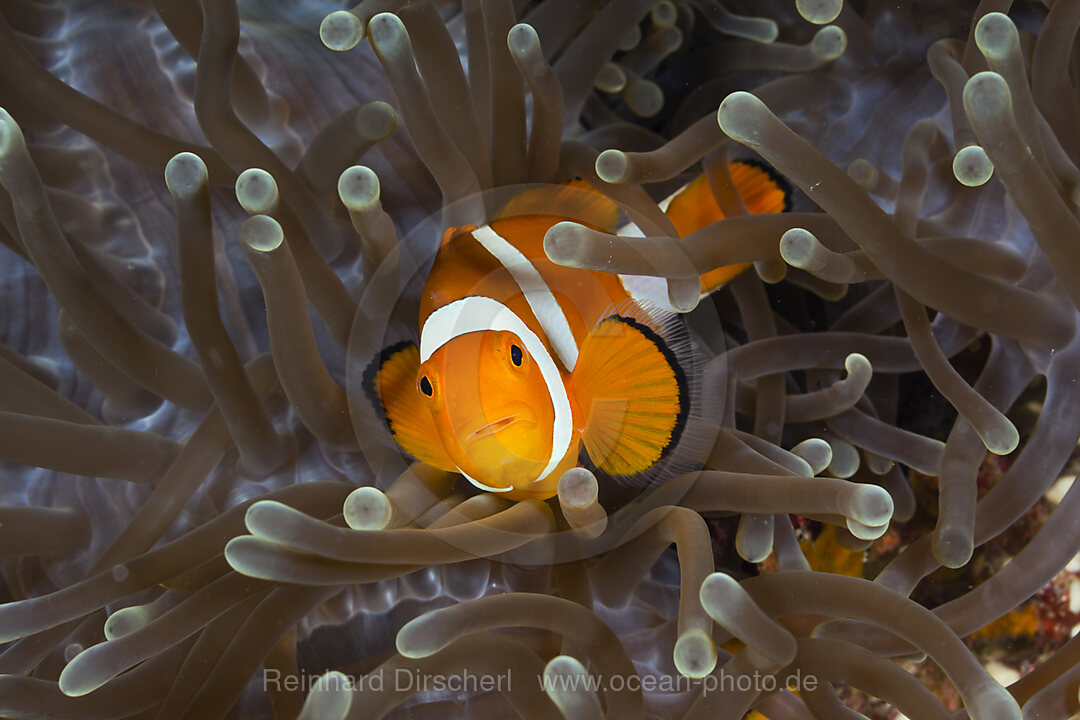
390,384
576,200
453,231
631,386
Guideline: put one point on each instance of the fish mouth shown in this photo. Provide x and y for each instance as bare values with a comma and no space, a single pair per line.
493,427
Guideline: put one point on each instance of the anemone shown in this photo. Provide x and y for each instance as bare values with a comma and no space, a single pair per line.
214,217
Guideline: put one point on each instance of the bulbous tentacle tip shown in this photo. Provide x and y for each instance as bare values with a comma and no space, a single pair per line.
717,585
124,621
376,121
410,641
185,174
695,654
829,43
631,39
562,240
610,79
819,12
858,367
865,532
845,458
243,555
341,30
1002,438
816,452
972,167
986,95
768,31
578,488
82,675
669,39
388,34
262,234
740,116
753,540
358,188
565,682
330,698
257,191
523,40
644,98
367,508
871,505
684,294
863,172
799,248
996,36
664,14
11,136
953,546
564,665
612,166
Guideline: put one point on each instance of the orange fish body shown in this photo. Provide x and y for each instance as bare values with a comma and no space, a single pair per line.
521,362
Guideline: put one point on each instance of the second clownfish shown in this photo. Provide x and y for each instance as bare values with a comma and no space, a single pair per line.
521,362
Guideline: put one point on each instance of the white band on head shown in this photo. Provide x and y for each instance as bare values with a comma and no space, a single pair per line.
482,486
537,293
476,314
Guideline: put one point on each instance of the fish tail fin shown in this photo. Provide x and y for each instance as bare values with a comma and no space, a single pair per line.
389,381
632,386
761,188
762,191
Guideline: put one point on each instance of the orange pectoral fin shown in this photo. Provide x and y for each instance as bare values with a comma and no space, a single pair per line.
631,386
390,383
695,207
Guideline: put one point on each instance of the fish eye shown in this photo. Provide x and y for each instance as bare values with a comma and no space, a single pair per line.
425,386
517,356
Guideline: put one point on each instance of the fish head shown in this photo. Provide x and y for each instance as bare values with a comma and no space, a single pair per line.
492,409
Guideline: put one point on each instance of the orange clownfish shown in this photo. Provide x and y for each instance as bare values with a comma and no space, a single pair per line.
522,362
